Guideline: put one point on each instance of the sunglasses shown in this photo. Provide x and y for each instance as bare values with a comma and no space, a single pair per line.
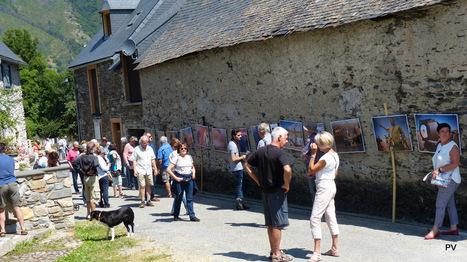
183,148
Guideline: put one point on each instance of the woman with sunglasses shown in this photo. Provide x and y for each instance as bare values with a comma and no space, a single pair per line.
183,173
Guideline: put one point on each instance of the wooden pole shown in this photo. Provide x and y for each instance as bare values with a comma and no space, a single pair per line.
394,176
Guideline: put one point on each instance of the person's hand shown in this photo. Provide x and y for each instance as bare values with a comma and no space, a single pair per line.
194,176
179,179
286,188
136,174
314,148
435,173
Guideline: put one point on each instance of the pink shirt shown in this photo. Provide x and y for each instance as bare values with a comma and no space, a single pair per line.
72,154
127,153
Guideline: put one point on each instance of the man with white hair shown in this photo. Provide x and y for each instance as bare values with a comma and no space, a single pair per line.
265,134
153,187
273,176
144,162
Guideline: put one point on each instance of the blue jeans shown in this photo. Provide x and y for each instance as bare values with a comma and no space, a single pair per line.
186,187
153,187
104,186
74,175
183,200
241,183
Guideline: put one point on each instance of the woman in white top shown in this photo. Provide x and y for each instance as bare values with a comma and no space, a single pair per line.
446,159
325,170
102,171
183,172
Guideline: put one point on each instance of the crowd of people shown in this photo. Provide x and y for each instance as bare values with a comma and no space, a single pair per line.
99,165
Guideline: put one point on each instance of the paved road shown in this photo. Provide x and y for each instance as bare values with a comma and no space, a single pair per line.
227,235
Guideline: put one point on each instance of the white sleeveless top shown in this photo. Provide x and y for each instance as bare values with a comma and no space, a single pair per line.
442,158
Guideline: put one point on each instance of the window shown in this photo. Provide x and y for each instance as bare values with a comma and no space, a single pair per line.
94,91
131,79
106,23
6,76
97,129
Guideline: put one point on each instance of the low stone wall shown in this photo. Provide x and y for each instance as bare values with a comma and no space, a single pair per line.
46,201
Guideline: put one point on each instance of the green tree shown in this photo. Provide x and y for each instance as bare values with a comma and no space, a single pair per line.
47,98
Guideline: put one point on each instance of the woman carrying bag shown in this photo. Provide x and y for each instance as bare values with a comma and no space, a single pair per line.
446,160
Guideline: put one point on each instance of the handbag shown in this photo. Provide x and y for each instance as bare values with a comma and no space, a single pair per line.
442,180
115,173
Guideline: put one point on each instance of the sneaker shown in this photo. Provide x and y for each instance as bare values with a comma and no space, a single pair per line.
239,204
194,219
142,204
149,203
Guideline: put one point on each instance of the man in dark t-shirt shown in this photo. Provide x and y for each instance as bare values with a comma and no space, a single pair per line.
273,176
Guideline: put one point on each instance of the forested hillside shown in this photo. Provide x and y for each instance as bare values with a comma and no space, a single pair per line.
61,26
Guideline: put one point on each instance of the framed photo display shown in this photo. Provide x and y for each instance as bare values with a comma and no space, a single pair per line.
186,136
202,134
392,133
427,135
348,136
219,139
295,130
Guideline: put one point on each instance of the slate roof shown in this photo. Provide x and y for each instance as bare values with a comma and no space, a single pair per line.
8,55
119,5
207,24
148,21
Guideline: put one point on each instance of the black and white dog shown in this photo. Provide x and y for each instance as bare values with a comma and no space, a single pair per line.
114,218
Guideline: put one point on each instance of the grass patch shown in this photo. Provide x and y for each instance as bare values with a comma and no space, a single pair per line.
96,247
34,245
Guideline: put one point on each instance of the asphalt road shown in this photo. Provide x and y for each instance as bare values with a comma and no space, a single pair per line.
227,235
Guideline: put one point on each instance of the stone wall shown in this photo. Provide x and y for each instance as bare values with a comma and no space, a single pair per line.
414,62
15,100
47,200
112,99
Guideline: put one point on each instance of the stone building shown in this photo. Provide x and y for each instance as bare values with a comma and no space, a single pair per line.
234,64
11,95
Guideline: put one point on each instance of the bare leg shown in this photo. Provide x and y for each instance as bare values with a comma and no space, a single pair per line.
167,187
141,192
148,191
120,189
90,207
2,219
334,243
19,216
274,235
317,249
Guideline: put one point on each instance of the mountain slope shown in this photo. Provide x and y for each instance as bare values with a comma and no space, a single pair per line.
62,26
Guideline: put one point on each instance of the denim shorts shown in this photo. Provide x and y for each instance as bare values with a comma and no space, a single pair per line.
276,212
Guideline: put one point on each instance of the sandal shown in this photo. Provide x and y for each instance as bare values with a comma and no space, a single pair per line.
24,232
2,233
332,253
283,257
315,258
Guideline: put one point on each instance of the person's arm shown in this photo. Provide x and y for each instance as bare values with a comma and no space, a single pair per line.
125,155
103,165
154,167
236,159
135,163
454,154
287,177
174,177
193,171
312,167
251,173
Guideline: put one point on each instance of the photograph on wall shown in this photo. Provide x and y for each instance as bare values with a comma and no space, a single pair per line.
186,136
272,126
295,130
319,127
202,134
161,134
219,139
243,143
348,136
427,136
171,135
392,133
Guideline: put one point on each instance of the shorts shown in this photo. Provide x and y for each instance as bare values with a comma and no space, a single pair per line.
117,181
145,180
91,189
276,212
10,191
165,176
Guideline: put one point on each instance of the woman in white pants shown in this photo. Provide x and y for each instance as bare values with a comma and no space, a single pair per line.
325,170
